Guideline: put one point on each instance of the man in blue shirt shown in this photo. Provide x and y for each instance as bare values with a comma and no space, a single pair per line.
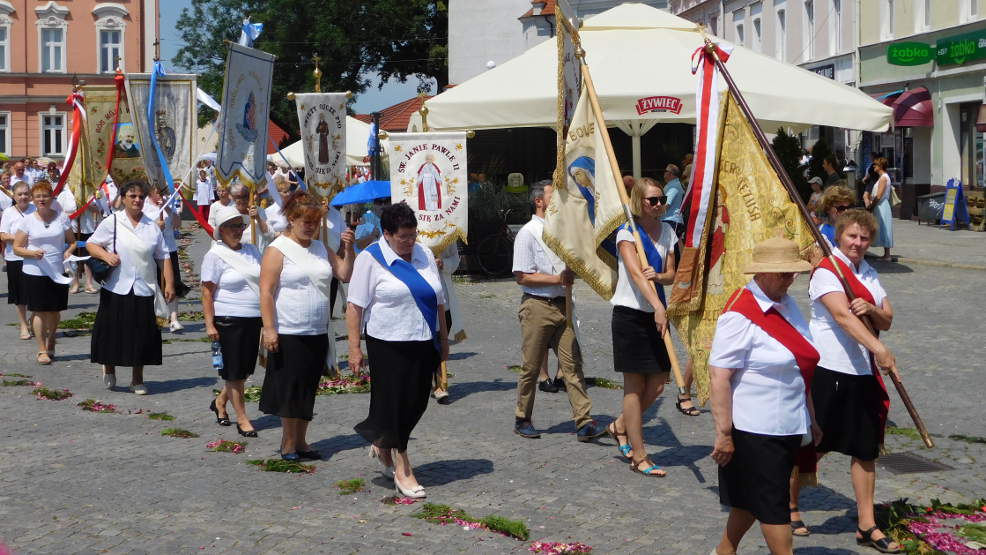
676,194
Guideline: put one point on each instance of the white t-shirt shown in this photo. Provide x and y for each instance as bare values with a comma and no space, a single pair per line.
530,258
840,352
275,219
626,293
389,310
233,296
301,307
50,238
9,222
768,390
204,192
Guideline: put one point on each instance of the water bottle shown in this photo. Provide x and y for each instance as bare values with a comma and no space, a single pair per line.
217,356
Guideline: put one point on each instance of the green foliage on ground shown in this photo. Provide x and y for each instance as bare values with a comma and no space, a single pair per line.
84,321
349,487
160,416
444,514
281,465
179,433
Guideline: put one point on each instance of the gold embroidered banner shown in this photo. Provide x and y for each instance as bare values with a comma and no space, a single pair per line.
175,124
127,161
322,119
750,204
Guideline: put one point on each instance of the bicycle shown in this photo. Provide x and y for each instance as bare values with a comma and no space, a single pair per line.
495,253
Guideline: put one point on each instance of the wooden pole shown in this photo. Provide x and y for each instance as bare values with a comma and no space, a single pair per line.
253,221
618,179
816,233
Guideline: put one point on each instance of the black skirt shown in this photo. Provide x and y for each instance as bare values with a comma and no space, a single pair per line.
400,382
41,294
847,408
125,332
637,347
82,251
293,374
757,478
15,285
181,290
239,339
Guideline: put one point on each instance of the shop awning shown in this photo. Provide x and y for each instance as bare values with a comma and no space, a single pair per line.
913,108
887,98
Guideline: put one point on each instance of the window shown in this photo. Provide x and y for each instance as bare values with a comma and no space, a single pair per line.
887,17
738,17
52,134
110,48
4,47
970,9
755,11
780,48
808,32
52,50
922,15
835,28
5,133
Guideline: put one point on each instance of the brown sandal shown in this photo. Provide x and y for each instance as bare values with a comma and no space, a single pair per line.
624,448
652,471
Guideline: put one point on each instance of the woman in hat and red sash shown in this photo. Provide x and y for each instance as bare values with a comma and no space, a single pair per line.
850,398
761,363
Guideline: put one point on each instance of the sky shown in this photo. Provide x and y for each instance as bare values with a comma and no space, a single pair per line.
368,101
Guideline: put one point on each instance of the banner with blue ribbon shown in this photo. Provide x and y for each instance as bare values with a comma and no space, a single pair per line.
152,101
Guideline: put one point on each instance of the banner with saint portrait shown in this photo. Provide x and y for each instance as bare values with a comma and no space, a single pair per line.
108,130
243,121
322,119
175,123
569,75
428,171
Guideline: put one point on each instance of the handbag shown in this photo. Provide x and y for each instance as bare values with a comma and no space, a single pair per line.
894,199
101,269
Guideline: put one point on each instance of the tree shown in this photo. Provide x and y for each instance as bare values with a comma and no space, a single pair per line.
788,150
353,38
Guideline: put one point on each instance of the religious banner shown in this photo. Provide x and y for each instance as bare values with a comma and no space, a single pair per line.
585,207
428,171
174,125
244,119
748,204
112,136
322,119
569,78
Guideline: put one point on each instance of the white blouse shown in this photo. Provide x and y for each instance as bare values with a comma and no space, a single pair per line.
126,277
768,390
301,308
168,231
389,311
275,219
626,293
49,238
9,222
233,296
840,352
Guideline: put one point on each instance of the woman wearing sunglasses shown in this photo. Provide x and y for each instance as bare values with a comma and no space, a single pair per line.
835,201
639,320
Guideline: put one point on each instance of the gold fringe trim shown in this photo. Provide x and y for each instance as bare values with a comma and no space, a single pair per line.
243,177
460,337
438,249
577,265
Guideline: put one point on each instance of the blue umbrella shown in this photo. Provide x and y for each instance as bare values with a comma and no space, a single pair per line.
368,191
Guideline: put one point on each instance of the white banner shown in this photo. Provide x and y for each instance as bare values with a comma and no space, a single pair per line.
322,118
428,171
244,117
175,123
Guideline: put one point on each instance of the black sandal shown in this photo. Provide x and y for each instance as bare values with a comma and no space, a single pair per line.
882,545
221,420
798,527
690,411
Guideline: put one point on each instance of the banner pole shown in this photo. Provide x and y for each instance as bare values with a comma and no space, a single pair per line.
816,233
618,179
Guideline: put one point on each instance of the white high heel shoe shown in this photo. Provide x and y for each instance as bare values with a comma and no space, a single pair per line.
417,492
388,471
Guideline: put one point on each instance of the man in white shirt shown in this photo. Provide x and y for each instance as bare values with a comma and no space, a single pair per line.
259,232
543,277
21,174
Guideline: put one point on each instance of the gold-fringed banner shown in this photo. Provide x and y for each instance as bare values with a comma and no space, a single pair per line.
244,119
175,123
127,161
322,119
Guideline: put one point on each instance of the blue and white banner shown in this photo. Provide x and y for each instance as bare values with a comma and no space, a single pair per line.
244,119
322,119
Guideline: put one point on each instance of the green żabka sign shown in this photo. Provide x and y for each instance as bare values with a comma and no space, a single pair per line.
961,49
909,53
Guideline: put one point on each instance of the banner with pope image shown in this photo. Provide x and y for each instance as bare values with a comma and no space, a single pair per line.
244,119
175,123
428,171
322,119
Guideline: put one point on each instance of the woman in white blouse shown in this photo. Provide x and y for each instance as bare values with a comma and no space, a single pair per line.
396,297
11,218
44,239
126,332
231,304
639,320
761,355
164,217
294,304
275,219
850,398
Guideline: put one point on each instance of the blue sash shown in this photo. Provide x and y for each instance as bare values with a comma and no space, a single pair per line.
654,259
421,290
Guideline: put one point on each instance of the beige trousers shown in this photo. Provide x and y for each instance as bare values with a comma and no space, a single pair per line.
543,326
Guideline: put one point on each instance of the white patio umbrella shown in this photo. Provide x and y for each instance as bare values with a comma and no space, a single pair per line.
357,134
636,52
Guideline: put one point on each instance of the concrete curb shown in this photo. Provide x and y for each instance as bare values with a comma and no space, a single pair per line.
924,262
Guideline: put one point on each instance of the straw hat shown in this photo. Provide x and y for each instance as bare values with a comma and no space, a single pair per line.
226,214
776,255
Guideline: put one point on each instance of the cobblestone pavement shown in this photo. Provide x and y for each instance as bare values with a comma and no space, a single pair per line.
74,481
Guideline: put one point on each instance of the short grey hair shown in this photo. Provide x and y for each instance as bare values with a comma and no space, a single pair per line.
237,189
537,189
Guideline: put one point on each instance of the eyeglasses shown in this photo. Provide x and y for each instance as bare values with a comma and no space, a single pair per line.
841,209
655,201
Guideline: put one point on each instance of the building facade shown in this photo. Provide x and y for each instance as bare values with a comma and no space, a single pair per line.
46,46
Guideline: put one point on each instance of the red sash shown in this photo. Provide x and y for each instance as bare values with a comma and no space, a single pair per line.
860,290
775,325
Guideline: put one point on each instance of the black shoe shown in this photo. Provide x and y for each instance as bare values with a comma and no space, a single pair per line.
222,421
310,455
290,457
524,428
244,433
444,399
589,432
560,384
548,386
